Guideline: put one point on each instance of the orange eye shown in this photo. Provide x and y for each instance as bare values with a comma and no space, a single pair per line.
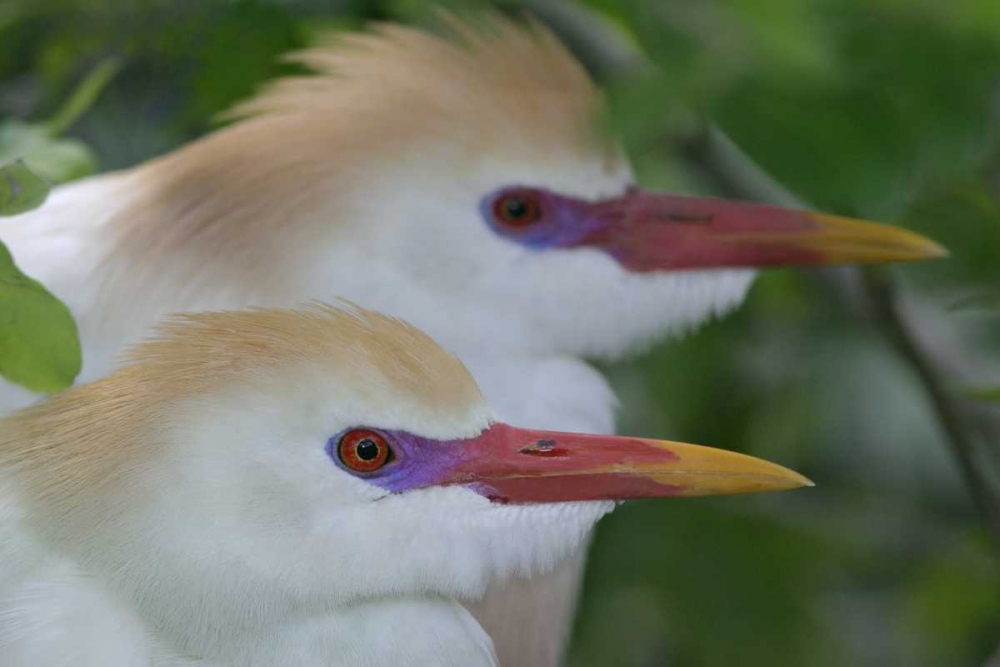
362,450
517,209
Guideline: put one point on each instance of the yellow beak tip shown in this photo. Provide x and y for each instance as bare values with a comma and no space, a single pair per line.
854,241
937,251
793,480
925,248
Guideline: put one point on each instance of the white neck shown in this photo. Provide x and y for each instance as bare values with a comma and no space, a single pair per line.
401,632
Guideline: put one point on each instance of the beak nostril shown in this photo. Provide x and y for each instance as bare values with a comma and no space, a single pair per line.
705,218
658,215
544,448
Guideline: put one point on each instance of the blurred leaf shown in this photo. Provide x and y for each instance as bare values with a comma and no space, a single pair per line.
908,112
9,14
57,160
415,11
225,73
323,28
964,216
953,598
20,189
843,150
988,394
84,96
39,343
722,588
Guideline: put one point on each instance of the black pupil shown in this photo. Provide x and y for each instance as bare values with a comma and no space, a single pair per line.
367,450
514,208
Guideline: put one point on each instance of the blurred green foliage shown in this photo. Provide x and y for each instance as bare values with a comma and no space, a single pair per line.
57,159
21,189
39,340
888,109
39,343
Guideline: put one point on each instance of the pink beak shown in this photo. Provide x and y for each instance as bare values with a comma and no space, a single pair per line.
509,464
654,232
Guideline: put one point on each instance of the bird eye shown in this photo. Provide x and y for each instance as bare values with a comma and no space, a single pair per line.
517,209
362,450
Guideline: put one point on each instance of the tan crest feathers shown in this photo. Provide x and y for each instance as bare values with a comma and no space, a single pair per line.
85,439
493,50
74,456
203,348
500,91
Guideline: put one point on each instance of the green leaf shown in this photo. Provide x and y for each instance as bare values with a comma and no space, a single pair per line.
39,342
20,189
57,160
988,394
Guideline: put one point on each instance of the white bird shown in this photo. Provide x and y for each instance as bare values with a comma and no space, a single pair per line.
273,488
458,182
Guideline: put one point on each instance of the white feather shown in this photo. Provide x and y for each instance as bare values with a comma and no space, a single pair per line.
207,524
520,320
397,231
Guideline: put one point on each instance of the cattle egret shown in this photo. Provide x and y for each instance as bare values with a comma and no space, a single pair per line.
457,181
304,488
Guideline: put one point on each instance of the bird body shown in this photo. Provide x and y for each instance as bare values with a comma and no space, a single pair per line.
306,488
458,182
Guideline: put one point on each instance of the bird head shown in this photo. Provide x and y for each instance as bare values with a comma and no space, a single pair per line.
463,182
321,456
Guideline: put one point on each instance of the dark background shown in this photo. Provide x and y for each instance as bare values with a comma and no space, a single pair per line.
870,382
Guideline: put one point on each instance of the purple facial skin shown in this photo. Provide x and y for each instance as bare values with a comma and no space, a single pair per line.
560,222
416,462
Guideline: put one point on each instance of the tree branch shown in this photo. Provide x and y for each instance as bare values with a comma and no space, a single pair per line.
883,298
872,293
875,293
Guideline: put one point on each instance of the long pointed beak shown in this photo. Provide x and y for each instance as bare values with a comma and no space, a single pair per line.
652,232
508,464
